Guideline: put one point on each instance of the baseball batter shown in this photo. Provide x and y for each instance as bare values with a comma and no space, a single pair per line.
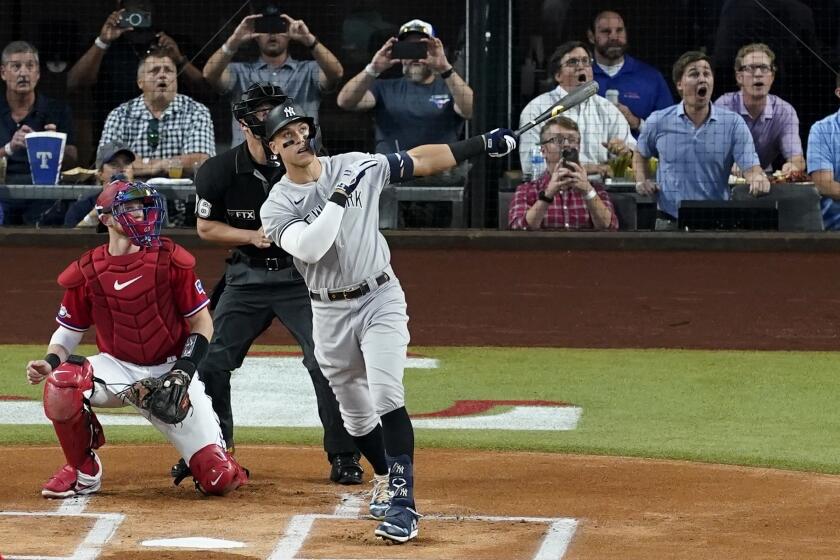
325,213
151,320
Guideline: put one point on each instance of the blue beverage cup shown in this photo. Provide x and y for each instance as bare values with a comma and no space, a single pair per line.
45,151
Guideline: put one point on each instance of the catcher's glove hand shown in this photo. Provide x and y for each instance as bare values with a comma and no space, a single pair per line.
166,397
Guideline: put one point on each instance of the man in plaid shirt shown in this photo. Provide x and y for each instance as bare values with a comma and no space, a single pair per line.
161,126
562,197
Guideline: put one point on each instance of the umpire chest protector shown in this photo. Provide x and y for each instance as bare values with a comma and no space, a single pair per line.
132,294
231,189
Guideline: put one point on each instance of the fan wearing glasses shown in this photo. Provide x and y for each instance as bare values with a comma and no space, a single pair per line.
563,197
162,127
605,130
773,122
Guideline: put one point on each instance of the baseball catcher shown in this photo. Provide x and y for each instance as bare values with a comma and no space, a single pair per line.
141,292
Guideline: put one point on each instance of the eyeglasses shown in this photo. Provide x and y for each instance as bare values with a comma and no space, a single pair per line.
561,139
153,134
576,62
754,68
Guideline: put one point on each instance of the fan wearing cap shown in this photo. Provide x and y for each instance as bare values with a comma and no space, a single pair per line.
141,293
113,159
273,32
427,105
260,281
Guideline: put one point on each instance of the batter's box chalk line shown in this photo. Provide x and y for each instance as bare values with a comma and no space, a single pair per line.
558,535
103,529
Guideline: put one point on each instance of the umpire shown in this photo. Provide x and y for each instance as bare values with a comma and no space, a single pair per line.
260,281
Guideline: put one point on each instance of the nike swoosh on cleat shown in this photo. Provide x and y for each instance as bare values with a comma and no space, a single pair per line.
118,286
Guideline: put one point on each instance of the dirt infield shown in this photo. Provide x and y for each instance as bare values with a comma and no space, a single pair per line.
480,505
625,508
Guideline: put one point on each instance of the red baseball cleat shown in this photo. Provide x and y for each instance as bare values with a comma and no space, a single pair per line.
68,482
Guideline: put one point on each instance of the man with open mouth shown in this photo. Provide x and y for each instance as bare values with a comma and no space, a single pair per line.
605,130
696,143
773,122
22,111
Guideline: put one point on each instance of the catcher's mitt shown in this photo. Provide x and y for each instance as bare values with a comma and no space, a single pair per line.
165,397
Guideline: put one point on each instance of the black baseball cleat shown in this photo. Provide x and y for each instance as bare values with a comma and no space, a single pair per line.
346,469
180,471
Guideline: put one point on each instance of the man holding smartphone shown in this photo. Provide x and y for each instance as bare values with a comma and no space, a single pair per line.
304,80
562,197
427,105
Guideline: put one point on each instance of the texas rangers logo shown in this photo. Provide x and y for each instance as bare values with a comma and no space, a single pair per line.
440,100
199,287
290,112
62,312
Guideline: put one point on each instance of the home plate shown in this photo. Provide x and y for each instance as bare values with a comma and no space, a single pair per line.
194,542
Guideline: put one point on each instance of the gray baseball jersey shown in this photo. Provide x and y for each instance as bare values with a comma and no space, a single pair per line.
360,250
359,343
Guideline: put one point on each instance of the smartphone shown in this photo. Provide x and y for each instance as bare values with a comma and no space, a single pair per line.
570,154
409,50
135,19
271,24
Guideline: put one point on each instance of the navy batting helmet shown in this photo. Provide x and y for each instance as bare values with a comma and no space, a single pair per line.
285,114
257,94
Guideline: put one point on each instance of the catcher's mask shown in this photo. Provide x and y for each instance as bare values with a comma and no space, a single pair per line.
137,207
285,114
257,94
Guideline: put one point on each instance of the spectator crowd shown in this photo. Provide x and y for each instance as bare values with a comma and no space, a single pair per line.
685,149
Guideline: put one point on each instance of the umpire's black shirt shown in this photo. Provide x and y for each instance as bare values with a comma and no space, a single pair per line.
231,188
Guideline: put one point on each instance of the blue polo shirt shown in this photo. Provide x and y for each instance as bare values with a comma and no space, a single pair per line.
640,86
823,155
45,111
694,163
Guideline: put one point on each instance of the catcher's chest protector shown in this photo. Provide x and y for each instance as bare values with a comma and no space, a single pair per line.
136,301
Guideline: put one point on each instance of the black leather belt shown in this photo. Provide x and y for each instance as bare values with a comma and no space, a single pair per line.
270,264
351,293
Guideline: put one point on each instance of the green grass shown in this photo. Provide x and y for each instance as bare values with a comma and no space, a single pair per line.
775,409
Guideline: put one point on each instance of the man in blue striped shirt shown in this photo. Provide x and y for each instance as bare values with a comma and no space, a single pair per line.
696,143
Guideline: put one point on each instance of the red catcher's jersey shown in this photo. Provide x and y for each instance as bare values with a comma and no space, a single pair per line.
139,302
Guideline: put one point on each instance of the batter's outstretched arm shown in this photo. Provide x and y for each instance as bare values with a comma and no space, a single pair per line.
431,159
434,158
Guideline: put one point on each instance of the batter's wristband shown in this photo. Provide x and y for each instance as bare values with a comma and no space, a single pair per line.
195,348
339,198
53,360
465,149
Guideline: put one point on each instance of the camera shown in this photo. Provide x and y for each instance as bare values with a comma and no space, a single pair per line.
410,50
270,22
570,155
135,19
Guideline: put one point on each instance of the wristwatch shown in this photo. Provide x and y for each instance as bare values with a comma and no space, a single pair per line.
545,198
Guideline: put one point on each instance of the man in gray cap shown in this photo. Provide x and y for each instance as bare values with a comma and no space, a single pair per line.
427,105
112,158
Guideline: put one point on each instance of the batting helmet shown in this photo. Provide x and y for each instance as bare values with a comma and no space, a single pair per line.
285,114
257,94
120,198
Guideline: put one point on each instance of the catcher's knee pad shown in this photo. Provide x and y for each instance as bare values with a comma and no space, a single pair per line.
216,471
67,405
64,391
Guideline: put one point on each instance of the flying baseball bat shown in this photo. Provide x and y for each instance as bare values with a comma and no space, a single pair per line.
577,97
